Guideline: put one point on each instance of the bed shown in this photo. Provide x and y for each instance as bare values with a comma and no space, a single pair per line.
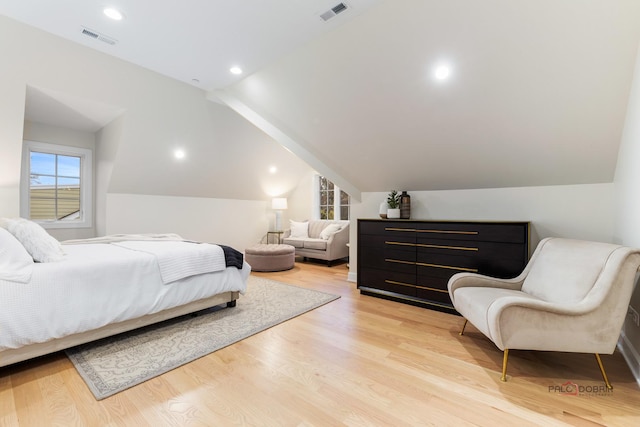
100,287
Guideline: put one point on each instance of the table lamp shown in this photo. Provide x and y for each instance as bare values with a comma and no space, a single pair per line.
279,204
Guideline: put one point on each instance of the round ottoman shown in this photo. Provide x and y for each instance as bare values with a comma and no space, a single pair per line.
264,257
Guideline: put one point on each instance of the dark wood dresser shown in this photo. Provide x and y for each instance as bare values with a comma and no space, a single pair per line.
411,261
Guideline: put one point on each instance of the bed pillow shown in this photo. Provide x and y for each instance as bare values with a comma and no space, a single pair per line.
15,262
41,245
329,230
299,230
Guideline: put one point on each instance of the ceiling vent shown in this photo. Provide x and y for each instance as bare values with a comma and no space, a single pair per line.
339,8
98,36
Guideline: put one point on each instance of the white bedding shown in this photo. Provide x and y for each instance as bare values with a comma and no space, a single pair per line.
95,285
178,260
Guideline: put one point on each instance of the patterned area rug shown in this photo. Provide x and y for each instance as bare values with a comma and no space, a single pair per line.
113,364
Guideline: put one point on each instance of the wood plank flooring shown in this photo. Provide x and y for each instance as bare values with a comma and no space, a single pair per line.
357,361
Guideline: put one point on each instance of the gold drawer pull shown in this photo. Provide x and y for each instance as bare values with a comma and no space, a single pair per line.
412,230
450,267
400,244
393,282
457,248
399,261
447,232
432,289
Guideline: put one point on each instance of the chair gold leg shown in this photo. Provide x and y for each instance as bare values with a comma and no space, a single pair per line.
463,326
604,374
504,365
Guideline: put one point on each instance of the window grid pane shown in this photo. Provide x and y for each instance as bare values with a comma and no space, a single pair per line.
344,198
41,208
344,212
332,205
68,166
54,187
344,205
323,212
43,163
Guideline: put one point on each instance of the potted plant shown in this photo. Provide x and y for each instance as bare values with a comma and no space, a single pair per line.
393,200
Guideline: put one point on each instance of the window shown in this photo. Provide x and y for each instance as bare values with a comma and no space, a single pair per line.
56,185
333,203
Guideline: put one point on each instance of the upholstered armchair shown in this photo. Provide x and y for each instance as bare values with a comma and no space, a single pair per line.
572,296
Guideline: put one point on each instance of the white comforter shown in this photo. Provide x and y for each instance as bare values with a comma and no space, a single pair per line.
95,285
177,260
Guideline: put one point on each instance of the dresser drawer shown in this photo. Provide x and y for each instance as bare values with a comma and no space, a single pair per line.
387,228
434,295
434,283
440,271
445,267
388,258
388,281
402,241
489,258
397,264
463,261
470,248
514,233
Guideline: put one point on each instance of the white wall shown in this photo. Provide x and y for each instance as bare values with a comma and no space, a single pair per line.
236,223
60,66
576,211
227,157
301,200
627,178
627,203
107,141
58,135
12,101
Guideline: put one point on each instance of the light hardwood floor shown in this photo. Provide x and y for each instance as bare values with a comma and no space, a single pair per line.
358,361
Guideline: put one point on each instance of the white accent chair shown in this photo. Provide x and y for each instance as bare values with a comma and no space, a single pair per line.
572,296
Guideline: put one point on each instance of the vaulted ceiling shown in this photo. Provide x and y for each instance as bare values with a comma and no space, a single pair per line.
537,92
195,41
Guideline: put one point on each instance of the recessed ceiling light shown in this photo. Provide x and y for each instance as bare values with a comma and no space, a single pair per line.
442,72
179,154
235,70
273,169
113,13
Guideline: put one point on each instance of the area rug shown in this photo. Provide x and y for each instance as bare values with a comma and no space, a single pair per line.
116,363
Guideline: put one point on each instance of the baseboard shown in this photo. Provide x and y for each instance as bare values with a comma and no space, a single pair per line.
630,355
352,277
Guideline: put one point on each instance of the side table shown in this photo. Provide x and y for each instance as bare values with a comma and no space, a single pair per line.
278,235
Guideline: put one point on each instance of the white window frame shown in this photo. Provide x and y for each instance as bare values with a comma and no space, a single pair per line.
336,199
86,181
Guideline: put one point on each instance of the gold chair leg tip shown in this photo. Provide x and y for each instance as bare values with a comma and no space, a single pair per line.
464,325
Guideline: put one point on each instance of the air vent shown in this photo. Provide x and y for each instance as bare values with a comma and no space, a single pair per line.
97,36
339,8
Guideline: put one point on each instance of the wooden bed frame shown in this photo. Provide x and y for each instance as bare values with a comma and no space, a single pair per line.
11,356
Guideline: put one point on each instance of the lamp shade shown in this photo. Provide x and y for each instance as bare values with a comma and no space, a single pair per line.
279,203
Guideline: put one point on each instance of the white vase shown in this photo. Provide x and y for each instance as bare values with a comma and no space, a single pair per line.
393,213
383,209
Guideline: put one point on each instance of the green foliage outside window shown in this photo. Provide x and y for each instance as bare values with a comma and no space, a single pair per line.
328,201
